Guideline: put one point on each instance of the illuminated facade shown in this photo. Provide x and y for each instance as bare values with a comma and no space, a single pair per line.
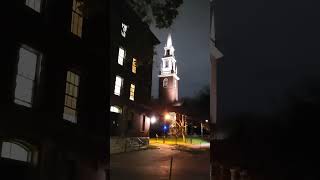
168,77
131,65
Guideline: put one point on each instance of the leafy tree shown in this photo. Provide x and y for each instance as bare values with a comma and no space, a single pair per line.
160,12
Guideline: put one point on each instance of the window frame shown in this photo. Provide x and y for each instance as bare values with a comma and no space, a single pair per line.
35,81
26,2
121,59
74,87
77,19
118,111
30,153
132,92
134,66
121,86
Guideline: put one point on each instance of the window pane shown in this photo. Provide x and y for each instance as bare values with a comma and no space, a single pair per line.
18,153
71,87
76,80
118,85
74,103
134,65
79,27
132,89
67,88
121,56
69,114
34,4
14,151
72,77
117,90
68,101
23,89
27,63
5,152
37,5
115,109
75,92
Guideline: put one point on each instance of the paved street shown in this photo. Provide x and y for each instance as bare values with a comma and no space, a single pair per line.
154,164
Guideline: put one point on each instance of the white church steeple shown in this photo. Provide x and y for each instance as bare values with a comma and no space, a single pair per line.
169,61
168,77
168,49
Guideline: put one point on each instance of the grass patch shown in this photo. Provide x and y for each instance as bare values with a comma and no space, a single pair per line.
178,141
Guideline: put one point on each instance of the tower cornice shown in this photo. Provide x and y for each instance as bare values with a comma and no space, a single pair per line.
169,75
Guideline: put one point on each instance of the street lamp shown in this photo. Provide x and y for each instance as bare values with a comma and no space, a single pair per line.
167,116
153,120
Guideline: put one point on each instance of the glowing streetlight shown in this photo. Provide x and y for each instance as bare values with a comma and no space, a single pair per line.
207,120
167,117
153,120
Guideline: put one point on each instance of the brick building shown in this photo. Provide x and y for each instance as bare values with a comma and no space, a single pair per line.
131,56
54,101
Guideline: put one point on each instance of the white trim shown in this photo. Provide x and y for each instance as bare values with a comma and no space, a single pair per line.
168,75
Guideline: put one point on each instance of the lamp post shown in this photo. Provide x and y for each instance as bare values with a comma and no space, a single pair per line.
153,120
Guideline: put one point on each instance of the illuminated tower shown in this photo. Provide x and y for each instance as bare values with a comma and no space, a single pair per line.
168,77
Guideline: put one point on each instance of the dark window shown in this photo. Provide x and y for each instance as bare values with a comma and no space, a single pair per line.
130,120
143,123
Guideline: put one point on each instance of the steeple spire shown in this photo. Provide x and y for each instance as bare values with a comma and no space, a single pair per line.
168,48
169,41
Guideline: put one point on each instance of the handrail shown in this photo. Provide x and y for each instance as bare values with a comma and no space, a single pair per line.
141,142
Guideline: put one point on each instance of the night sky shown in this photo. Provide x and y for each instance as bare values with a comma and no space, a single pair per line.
271,51
190,36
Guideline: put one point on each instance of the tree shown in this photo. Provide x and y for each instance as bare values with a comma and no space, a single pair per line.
160,12
178,127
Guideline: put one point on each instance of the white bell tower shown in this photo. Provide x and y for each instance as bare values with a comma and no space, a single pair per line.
168,77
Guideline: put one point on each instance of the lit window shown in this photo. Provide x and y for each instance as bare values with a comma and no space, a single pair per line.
118,85
121,56
124,29
165,83
71,96
34,4
132,88
77,19
26,76
15,151
115,109
134,65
